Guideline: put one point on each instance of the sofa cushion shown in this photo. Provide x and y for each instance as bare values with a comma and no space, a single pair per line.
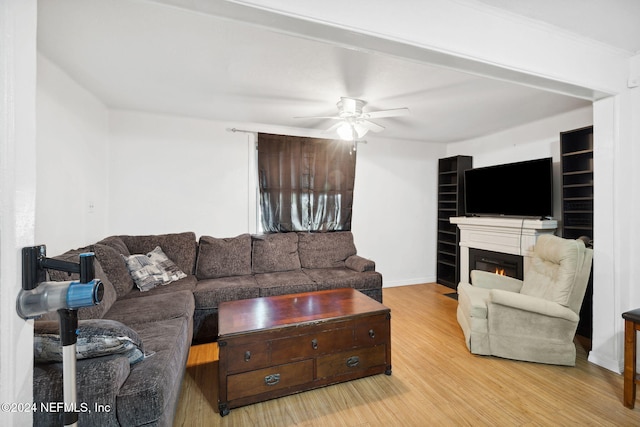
275,252
332,278
152,308
211,292
116,243
115,268
151,392
186,284
95,338
224,257
284,282
325,250
108,298
181,248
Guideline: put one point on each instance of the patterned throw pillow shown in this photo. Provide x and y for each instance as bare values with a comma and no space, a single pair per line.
162,261
152,269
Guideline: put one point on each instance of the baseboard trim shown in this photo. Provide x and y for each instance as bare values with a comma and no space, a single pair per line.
408,282
613,365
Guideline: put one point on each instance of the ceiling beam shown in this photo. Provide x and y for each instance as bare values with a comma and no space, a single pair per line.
375,44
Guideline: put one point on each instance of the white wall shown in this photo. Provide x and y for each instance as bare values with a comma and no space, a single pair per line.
395,208
17,198
173,174
531,141
72,158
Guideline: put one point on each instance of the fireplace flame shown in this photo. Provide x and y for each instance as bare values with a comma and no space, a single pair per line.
500,271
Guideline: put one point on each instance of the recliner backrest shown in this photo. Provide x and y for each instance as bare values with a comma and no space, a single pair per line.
558,271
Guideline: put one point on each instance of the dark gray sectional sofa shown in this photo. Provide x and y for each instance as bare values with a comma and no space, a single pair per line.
163,322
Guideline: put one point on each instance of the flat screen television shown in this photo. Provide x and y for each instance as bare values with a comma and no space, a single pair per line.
522,189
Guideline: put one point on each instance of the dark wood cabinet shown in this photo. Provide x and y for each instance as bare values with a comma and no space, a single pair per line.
450,204
276,346
576,151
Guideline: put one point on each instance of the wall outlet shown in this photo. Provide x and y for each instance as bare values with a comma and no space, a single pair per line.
91,207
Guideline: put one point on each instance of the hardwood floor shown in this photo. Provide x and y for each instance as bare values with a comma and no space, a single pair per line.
435,381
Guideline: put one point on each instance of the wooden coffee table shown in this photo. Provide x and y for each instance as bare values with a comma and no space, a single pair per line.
276,346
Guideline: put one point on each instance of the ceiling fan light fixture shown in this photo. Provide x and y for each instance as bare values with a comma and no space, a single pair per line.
345,131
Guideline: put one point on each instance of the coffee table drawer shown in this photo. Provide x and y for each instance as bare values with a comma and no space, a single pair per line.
247,357
358,359
373,330
269,379
301,347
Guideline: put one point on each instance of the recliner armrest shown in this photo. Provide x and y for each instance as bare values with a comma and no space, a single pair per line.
532,304
485,279
358,263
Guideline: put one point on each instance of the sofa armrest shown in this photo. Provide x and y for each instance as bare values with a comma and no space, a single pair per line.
485,279
358,263
532,305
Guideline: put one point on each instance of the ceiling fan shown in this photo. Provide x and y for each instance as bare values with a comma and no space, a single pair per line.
353,123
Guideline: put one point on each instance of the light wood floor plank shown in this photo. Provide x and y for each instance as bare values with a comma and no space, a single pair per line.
435,381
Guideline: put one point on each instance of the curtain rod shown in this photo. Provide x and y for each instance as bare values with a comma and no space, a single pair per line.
240,130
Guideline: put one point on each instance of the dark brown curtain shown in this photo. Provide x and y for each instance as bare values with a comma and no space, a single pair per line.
306,184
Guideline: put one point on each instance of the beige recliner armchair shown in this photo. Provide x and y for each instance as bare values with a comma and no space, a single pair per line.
533,320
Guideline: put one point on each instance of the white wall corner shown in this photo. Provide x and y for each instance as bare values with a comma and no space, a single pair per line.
18,20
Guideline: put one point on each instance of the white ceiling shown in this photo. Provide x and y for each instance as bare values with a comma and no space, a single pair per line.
612,22
140,55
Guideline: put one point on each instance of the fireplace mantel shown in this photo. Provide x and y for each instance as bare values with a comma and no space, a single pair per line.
507,235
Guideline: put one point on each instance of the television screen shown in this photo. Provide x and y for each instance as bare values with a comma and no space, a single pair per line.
516,189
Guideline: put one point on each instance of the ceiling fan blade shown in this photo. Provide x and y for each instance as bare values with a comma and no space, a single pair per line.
318,117
371,125
395,112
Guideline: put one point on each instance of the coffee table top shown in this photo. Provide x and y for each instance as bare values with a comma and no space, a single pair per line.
257,314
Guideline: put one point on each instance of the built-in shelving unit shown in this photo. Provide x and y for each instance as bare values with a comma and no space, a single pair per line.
576,151
450,204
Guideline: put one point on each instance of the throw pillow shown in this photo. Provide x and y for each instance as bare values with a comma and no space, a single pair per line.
144,272
96,338
224,257
152,269
169,268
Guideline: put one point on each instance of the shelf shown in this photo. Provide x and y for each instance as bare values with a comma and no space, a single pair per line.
576,163
450,204
579,153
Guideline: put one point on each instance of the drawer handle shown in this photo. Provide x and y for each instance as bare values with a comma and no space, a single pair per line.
353,361
247,356
314,344
272,379
372,334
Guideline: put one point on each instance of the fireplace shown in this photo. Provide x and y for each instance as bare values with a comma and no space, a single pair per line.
496,262
511,236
